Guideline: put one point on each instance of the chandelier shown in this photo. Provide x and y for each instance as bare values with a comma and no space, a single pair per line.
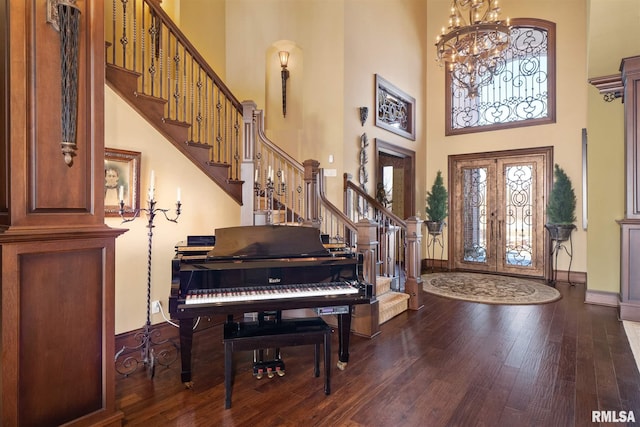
473,43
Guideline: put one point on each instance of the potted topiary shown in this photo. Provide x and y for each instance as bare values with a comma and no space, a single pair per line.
437,207
561,209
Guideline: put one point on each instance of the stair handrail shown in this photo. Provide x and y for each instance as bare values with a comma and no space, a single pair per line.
279,196
350,228
259,115
375,204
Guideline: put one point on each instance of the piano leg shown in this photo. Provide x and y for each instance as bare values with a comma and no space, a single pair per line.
186,341
344,331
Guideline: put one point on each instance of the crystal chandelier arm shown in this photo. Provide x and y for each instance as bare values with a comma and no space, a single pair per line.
472,47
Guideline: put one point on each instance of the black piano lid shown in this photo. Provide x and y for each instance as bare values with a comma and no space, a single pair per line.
267,241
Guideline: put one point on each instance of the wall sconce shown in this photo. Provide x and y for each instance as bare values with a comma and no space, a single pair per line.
364,112
284,60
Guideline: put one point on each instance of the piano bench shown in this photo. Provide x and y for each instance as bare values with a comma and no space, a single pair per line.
243,336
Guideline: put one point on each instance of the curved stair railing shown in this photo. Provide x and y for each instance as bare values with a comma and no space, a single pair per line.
279,186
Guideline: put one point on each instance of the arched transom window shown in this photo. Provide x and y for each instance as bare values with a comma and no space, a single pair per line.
522,93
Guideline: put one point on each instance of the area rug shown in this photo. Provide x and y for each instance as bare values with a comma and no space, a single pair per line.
489,288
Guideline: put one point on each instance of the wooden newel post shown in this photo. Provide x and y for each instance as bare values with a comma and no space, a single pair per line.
413,285
366,320
311,205
367,246
247,166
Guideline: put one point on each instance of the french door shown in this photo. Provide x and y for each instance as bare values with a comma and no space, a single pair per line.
498,213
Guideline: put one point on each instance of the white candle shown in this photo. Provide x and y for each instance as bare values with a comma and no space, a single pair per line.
256,176
121,193
269,173
178,194
152,185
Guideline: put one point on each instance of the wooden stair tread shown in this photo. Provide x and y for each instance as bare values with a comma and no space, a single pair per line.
392,304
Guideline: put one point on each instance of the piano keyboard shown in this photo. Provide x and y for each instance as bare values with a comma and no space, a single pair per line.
255,293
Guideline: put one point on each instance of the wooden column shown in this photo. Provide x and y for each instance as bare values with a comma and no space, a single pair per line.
57,255
366,318
630,224
413,258
311,203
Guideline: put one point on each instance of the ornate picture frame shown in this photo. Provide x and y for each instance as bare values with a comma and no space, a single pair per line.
121,180
395,109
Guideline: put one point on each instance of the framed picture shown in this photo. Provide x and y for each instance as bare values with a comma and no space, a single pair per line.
395,110
121,181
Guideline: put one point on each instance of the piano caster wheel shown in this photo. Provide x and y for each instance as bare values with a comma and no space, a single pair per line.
259,374
341,365
270,373
188,384
280,372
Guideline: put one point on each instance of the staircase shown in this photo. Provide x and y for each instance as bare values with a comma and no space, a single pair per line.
126,82
153,66
390,303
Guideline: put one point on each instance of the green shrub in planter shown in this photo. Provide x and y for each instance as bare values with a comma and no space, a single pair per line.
437,207
561,209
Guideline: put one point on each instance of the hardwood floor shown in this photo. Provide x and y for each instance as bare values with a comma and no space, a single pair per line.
450,364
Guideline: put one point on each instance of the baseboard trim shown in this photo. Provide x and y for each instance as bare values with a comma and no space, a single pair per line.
629,311
427,265
610,299
164,331
576,277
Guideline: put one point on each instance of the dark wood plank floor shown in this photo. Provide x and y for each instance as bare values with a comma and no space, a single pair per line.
450,364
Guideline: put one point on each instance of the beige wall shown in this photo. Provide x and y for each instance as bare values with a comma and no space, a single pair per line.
614,33
386,38
335,53
571,101
209,37
313,32
205,207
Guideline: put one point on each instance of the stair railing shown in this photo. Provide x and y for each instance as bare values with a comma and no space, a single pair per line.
392,231
333,222
142,38
279,180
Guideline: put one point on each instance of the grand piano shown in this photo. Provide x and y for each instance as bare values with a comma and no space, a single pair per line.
257,269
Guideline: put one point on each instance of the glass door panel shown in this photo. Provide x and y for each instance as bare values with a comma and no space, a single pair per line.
473,215
518,215
498,215
474,218
521,220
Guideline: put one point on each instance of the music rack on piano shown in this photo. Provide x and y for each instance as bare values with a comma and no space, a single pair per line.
264,268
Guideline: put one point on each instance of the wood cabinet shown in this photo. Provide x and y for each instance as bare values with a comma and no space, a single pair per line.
57,255
630,224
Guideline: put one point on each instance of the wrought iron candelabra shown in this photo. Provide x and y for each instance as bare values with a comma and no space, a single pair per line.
269,190
149,338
